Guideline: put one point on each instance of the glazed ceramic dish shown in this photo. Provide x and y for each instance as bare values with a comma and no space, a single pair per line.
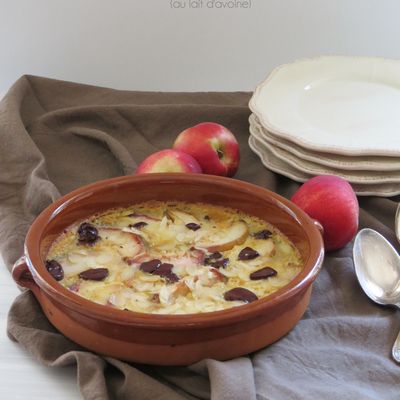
171,339
335,104
345,163
297,173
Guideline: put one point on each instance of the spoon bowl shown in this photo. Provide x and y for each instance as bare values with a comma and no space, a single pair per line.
377,266
397,223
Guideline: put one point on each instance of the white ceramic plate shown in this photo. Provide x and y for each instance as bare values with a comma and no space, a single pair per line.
312,168
335,104
366,163
281,167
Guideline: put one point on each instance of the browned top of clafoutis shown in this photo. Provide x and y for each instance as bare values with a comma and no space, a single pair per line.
173,257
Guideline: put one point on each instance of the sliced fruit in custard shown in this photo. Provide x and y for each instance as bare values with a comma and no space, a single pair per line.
143,218
265,247
127,244
224,240
178,216
210,276
134,220
169,293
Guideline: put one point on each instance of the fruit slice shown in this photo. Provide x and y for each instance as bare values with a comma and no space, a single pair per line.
143,217
133,220
187,264
210,276
113,244
225,239
169,293
127,244
177,216
265,248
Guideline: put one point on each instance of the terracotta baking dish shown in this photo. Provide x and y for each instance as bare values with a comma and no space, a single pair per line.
171,339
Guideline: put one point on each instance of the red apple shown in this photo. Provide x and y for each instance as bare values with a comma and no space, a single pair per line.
169,161
213,146
330,200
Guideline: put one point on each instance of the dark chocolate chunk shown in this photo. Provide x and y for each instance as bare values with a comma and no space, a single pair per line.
55,269
248,254
150,266
193,226
264,234
156,267
212,257
171,277
220,263
163,269
87,233
263,273
94,274
215,256
240,294
206,217
138,225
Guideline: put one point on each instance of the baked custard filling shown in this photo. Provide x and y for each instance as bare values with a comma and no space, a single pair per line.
173,258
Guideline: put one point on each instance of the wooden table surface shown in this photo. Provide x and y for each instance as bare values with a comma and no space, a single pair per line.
21,377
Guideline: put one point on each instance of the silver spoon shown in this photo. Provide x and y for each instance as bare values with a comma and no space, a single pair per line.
397,223
377,266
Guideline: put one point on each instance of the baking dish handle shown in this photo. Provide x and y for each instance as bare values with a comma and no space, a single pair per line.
22,276
319,226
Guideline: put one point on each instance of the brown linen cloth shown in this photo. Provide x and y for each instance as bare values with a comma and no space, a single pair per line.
56,136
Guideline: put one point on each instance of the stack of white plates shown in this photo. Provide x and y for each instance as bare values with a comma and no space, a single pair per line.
331,115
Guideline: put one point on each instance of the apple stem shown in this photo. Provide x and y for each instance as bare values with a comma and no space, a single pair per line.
220,154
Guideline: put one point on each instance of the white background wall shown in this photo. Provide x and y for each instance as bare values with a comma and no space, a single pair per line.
147,45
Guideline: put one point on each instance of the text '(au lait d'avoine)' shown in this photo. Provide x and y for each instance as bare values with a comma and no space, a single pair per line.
173,258
210,4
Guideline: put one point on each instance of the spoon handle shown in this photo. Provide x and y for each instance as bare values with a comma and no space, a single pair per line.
396,349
